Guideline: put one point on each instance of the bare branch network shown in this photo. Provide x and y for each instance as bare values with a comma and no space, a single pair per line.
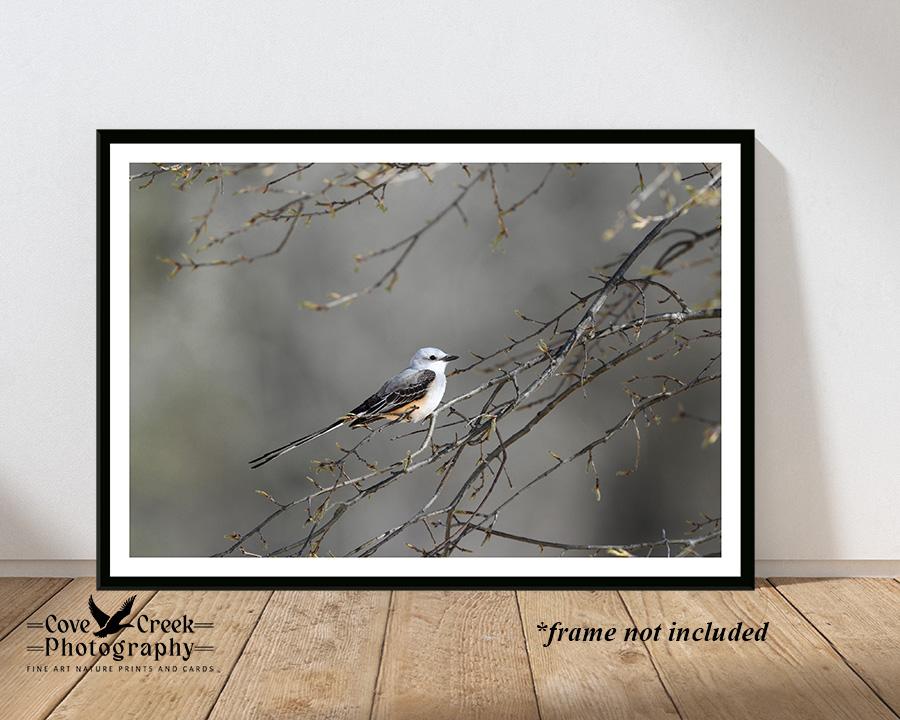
533,374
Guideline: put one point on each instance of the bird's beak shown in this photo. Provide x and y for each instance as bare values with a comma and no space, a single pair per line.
449,358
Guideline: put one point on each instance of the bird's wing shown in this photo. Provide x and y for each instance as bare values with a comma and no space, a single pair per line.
123,611
100,616
399,391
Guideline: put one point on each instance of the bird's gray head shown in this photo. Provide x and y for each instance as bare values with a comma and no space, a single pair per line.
430,358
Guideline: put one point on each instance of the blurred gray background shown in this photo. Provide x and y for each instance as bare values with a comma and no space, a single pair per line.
226,364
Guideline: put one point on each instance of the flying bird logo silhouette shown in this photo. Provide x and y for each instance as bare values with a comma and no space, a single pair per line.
109,625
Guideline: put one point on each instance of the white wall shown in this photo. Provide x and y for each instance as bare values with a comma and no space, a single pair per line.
818,81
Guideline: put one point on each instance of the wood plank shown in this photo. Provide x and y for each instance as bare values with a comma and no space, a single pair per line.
590,679
793,674
28,694
313,654
21,596
861,618
127,692
454,655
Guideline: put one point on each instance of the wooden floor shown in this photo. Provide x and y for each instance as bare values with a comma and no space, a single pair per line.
832,651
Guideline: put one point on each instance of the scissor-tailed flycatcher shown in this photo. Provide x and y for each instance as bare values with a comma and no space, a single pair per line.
411,395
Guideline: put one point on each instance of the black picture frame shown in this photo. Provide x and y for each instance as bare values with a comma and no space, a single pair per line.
742,137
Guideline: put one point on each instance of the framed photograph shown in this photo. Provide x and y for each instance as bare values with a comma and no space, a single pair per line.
405,359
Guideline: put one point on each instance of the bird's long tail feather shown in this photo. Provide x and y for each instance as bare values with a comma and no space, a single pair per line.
278,452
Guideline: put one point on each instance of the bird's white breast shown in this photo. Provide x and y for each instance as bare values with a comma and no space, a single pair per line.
431,400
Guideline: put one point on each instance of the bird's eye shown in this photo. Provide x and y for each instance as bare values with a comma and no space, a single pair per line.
432,358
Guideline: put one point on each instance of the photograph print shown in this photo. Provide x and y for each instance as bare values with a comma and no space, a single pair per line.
425,359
